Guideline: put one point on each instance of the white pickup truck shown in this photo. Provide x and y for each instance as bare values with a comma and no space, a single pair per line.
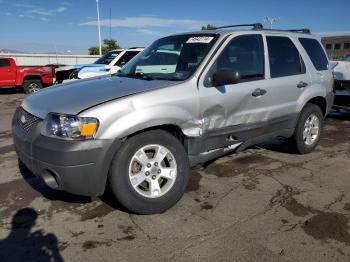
341,71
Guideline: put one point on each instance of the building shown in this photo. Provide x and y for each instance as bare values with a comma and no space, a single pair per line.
337,47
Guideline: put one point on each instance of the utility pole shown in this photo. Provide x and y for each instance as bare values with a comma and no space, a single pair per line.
271,20
110,23
99,29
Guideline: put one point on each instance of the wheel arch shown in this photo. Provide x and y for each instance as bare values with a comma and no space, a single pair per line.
319,101
32,77
170,128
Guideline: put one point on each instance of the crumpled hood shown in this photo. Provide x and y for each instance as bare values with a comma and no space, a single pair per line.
341,70
86,69
74,97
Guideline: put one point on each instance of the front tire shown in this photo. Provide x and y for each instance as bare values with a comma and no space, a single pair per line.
150,172
308,130
32,86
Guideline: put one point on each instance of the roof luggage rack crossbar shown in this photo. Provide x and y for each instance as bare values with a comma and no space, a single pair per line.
303,30
255,26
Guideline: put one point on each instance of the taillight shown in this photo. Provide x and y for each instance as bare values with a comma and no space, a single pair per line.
333,81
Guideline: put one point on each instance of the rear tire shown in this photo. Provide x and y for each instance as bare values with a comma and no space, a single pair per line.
32,86
308,130
143,184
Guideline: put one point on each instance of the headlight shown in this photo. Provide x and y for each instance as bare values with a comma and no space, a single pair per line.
69,126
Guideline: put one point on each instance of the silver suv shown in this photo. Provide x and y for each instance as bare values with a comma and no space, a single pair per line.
185,100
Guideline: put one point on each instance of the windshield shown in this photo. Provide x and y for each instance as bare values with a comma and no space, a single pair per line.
106,59
171,58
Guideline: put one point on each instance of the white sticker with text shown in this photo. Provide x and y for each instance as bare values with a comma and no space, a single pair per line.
200,39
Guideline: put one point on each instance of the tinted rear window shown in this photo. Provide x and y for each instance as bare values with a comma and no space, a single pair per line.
4,62
315,52
284,57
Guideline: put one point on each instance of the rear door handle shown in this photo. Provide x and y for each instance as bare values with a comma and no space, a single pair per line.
259,92
301,84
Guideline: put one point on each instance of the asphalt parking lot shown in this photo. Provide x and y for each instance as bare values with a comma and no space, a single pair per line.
263,204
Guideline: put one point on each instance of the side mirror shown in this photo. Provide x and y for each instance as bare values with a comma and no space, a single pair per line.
225,77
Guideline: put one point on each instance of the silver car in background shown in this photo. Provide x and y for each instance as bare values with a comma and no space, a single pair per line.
186,99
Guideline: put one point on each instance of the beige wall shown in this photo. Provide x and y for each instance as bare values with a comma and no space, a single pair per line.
42,59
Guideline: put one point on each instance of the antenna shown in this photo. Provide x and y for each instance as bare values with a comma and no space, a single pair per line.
271,20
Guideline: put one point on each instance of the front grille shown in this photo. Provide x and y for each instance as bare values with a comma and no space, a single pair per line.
26,121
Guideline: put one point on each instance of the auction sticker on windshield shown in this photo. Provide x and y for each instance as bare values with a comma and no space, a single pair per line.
200,39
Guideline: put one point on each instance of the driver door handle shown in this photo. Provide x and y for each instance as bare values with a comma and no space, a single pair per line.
259,92
301,84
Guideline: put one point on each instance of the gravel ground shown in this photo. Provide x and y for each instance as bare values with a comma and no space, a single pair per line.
263,204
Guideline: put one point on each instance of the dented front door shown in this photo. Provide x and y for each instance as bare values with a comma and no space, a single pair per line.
235,107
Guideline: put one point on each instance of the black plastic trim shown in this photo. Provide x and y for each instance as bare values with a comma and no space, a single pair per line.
244,134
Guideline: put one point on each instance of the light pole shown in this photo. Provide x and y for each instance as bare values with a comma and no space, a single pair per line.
271,20
98,26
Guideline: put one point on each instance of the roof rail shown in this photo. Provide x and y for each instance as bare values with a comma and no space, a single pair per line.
259,26
255,26
136,47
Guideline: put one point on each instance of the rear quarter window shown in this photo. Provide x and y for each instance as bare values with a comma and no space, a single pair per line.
315,52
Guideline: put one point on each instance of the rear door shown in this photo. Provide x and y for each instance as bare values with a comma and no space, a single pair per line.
287,81
7,72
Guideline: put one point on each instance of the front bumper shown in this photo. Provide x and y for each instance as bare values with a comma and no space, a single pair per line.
78,167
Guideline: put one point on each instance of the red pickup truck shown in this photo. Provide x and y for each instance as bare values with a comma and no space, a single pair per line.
31,79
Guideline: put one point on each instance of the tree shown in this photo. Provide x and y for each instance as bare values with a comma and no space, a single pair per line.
108,45
94,50
208,27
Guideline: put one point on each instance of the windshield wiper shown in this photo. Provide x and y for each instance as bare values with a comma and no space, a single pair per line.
137,75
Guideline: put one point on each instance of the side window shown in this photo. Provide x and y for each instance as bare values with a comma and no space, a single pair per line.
284,57
4,62
126,58
245,55
315,52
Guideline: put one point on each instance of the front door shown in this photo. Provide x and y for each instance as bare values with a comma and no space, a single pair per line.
235,111
7,72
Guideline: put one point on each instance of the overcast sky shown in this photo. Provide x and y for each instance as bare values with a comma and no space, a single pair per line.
53,25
